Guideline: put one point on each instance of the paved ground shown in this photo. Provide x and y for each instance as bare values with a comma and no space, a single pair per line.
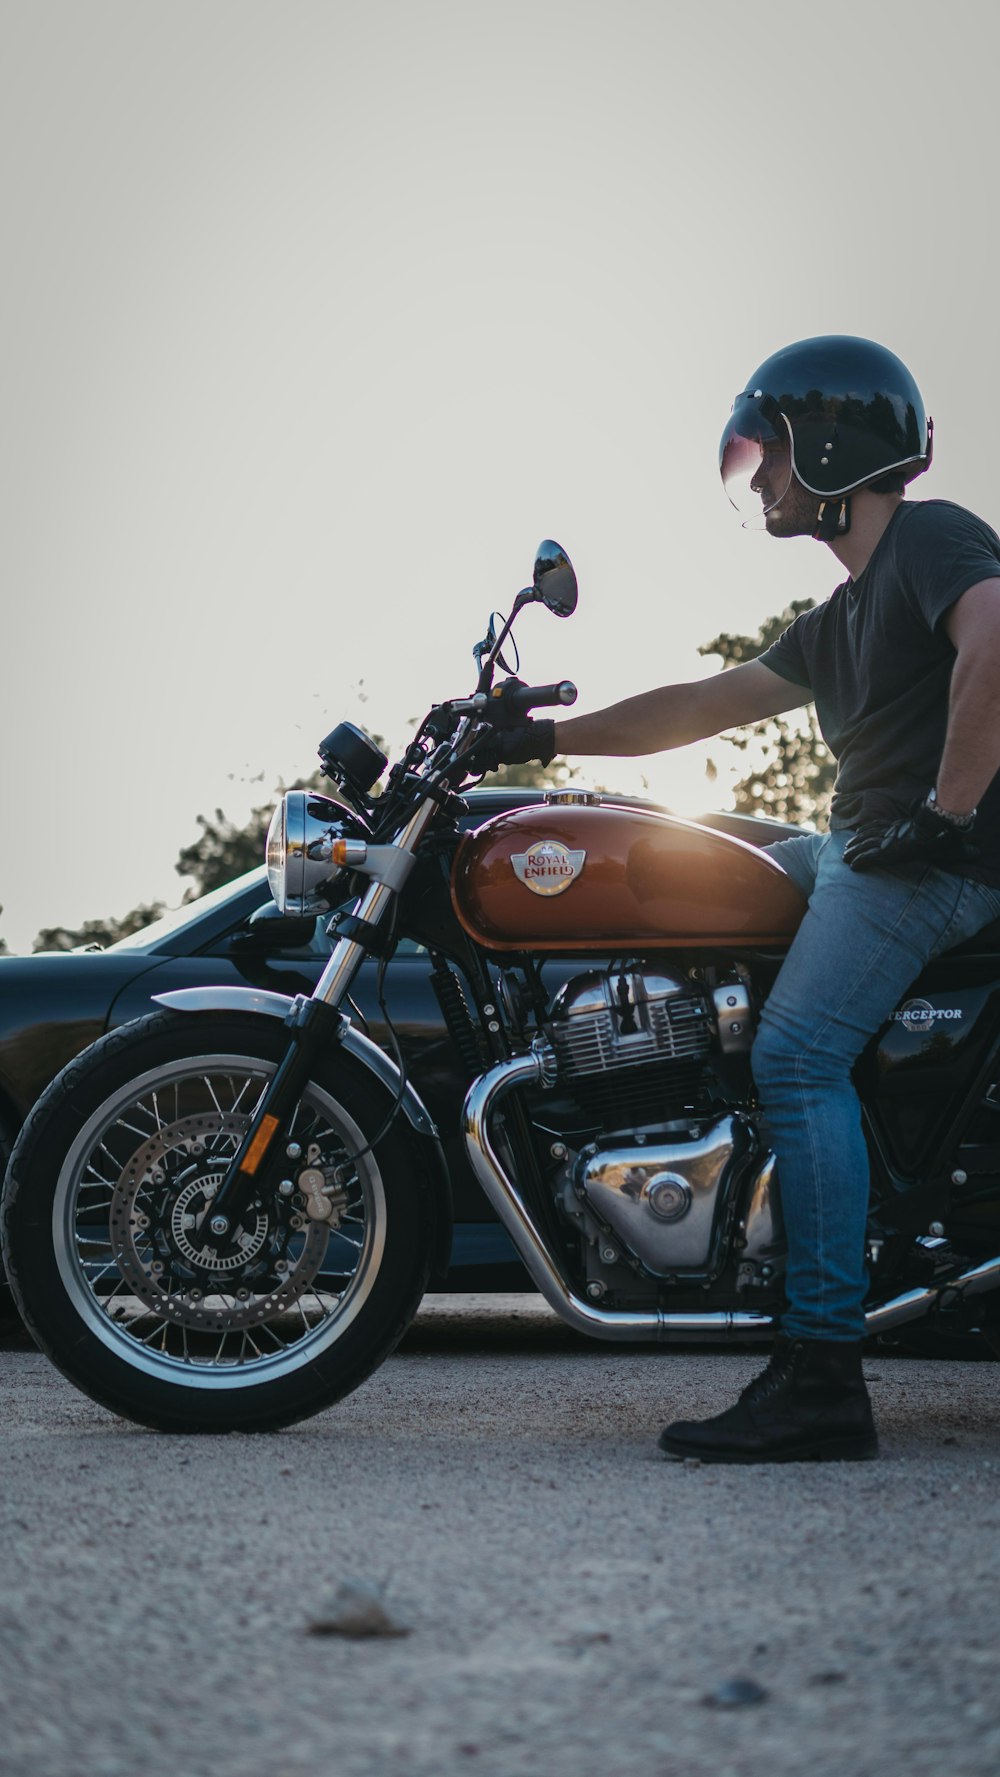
572,1598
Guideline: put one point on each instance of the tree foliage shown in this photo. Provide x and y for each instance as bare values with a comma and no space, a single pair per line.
795,772
223,850
98,933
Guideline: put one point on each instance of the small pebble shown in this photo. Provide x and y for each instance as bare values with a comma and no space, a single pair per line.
734,1693
355,1609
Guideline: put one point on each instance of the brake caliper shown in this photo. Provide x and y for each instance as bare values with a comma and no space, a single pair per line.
325,1198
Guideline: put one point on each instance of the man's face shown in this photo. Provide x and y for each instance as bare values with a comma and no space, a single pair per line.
788,513
755,461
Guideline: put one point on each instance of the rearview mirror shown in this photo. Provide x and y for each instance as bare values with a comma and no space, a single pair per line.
269,929
554,581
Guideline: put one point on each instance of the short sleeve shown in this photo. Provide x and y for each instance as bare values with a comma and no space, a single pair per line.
786,656
942,551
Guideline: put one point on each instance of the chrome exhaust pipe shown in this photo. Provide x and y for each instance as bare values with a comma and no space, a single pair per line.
916,1303
537,1068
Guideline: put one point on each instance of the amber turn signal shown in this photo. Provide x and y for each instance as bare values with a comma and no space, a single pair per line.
345,852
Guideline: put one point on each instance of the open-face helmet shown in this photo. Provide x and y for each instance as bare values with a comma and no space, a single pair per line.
835,412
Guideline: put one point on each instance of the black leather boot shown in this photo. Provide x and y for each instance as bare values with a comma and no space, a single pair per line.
809,1405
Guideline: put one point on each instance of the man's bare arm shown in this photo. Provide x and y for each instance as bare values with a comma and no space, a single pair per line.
675,715
971,756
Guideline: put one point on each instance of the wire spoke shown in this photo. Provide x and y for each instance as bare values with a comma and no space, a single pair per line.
112,1265
211,1093
123,1123
238,1100
98,1178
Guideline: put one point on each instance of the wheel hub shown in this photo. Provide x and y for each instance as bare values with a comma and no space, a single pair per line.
190,1220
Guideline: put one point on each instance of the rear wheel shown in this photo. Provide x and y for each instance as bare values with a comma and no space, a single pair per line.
108,1233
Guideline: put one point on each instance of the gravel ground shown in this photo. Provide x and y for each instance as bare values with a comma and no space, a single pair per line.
574,1602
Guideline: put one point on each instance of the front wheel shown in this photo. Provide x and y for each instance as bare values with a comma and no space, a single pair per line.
110,1253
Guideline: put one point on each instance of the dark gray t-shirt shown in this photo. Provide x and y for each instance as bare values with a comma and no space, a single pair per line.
877,661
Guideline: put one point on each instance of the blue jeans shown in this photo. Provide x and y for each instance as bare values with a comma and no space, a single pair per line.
863,941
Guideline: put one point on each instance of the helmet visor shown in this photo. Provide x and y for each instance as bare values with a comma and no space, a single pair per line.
755,460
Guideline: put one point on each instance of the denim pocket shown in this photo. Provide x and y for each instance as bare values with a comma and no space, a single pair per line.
977,906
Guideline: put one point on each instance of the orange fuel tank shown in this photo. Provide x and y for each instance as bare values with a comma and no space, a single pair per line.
561,876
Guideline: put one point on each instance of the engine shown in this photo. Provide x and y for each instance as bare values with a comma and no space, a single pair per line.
632,1045
670,1184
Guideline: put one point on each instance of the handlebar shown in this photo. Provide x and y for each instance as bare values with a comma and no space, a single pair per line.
507,700
538,697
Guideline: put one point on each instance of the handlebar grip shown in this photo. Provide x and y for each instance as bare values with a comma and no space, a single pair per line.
537,697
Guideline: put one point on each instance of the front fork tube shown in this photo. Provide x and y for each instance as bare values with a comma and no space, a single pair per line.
316,1025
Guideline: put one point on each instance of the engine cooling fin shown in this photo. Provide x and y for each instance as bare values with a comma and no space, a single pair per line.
630,1042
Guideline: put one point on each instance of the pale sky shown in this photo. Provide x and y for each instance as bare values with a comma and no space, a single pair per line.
319,316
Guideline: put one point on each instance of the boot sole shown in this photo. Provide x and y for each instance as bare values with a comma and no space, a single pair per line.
861,1448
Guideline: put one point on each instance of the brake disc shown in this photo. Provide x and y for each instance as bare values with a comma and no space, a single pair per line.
219,1301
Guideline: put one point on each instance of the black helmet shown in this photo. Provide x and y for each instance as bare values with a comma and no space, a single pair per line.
849,409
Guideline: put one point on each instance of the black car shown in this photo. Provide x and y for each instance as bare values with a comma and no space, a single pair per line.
54,1004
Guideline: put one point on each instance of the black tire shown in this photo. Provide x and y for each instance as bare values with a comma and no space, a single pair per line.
82,1272
8,1311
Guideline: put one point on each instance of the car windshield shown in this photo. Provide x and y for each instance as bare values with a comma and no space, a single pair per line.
150,936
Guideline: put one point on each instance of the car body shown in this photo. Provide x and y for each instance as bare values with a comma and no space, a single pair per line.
54,1004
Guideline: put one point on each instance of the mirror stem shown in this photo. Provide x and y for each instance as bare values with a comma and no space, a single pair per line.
527,597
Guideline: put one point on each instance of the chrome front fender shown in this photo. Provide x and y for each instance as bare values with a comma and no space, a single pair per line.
278,1005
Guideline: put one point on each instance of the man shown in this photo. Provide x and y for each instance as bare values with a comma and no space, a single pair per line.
903,662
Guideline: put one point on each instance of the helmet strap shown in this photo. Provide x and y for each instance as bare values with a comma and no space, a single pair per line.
832,520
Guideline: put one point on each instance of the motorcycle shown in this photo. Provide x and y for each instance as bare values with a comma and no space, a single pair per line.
224,1215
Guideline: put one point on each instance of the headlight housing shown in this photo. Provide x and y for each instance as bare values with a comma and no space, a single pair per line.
302,877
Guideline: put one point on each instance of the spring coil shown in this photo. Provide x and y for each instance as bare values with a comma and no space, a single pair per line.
459,1022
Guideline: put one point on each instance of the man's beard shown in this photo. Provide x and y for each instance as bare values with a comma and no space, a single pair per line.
796,514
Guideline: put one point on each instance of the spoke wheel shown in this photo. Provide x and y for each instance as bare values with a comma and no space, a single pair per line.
192,1321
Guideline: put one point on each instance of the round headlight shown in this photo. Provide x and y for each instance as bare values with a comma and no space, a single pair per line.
300,871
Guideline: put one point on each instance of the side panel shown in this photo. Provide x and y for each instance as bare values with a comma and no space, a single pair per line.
919,1070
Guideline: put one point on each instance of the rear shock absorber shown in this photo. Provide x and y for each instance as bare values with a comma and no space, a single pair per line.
459,1022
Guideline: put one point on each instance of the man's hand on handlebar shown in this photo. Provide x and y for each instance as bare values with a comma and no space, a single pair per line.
520,744
512,737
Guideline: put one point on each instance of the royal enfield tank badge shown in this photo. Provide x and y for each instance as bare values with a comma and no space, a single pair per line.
548,867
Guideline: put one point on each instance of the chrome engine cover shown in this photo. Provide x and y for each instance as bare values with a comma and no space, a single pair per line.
666,1201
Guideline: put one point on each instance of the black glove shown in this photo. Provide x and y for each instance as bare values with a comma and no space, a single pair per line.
519,744
921,837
